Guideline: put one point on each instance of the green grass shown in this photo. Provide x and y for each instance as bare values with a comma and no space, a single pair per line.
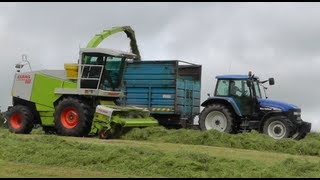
310,145
14,169
39,155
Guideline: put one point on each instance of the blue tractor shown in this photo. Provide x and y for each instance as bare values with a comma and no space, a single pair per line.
238,106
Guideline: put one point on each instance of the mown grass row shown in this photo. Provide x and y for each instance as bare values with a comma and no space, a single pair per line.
310,145
51,150
254,140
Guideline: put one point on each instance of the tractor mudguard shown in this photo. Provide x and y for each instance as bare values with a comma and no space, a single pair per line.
223,100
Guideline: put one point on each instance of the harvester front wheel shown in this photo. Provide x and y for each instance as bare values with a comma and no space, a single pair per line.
73,117
20,120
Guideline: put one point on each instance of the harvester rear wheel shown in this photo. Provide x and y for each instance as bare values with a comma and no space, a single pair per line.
20,120
73,117
218,117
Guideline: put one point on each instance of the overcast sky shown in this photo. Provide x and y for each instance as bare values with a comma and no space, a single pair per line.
279,40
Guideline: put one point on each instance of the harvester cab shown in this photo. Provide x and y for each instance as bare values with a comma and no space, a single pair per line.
238,105
99,74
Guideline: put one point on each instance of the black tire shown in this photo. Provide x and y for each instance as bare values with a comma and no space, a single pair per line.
20,120
49,130
299,135
73,117
278,127
211,112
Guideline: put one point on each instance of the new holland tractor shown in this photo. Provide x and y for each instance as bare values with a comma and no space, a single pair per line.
81,100
238,106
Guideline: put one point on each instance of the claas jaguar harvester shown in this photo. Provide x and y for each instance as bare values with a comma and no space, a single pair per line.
81,100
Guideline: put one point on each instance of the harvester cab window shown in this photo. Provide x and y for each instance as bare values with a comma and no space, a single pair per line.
113,72
92,71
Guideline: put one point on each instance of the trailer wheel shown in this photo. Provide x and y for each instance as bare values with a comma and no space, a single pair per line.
73,117
278,127
217,117
20,120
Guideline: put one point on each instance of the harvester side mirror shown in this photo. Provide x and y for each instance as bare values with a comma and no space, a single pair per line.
271,81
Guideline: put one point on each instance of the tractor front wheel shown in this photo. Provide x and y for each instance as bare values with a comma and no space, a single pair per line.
278,127
20,120
73,117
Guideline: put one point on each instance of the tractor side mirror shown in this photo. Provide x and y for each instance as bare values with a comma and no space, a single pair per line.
271,81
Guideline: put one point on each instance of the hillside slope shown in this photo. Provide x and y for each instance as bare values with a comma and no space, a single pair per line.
39,155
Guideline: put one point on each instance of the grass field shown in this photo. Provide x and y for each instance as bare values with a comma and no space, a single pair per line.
158,152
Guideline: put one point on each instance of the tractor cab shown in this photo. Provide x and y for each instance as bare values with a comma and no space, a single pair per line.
244,90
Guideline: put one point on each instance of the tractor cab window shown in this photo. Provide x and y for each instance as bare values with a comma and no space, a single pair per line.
257,89
222,88
240,93
239,88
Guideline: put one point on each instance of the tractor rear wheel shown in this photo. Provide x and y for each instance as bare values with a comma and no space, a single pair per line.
218,117
20,120
73,117
278,127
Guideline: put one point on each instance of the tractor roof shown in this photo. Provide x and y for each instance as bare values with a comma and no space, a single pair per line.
234,77
116,53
